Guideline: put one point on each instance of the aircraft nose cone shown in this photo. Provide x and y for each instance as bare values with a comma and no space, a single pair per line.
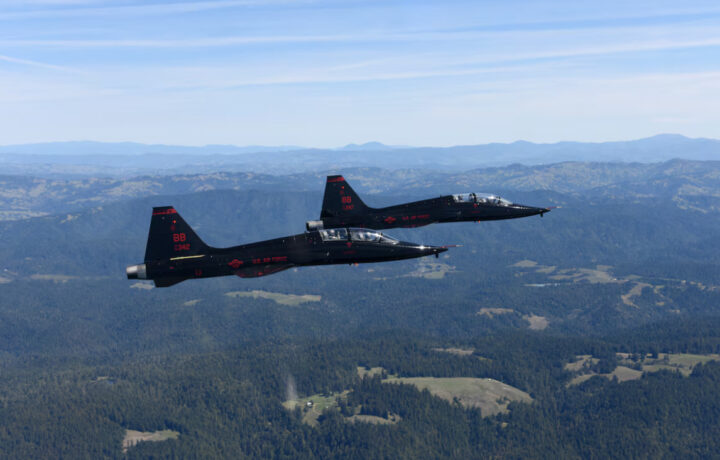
525,211
433,250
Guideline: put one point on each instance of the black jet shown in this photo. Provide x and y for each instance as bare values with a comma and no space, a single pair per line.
174,253
342,207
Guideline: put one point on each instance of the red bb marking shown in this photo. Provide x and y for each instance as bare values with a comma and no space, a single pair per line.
346,199
179,237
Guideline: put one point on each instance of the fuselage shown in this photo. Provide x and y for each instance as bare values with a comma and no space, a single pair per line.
444,209
325,247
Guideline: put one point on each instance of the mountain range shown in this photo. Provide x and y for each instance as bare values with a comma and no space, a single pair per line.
98,159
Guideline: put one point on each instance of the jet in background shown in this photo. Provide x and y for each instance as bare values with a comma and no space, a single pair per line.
174,253
342,207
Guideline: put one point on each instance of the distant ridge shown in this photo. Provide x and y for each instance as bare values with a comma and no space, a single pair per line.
128,158
135,148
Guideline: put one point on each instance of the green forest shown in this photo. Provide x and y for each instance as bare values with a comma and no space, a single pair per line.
590,333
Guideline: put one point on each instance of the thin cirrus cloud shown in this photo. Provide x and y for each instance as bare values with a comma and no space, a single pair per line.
366,65
31,63
292,39
89,10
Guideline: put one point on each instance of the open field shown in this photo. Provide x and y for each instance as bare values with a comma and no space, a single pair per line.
491,312
431,270
133,437
313,405
281,299
580,362
455,351
369,372
142,285
636,291
489,395
677,362
537,323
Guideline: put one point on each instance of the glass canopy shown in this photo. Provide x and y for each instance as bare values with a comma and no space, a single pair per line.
482,198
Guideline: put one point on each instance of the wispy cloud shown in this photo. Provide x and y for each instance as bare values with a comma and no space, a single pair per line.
27,62
662,44
139,9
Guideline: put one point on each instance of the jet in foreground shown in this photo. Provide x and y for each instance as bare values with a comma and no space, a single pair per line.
175,253
342,207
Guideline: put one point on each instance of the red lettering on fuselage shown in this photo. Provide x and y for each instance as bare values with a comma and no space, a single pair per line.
181,247
268,260
419,216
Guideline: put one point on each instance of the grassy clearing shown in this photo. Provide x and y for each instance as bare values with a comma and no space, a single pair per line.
490,396
363,371
53,278
581,362
624,374
676,362
490,312
281,299
455,351
537,323
599,275
636,291
133,437
525,264
313,405
431,270
141,285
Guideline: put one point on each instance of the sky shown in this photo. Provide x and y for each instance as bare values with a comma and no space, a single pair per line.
325,73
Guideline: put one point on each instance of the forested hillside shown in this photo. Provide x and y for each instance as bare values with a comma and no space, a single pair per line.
604,313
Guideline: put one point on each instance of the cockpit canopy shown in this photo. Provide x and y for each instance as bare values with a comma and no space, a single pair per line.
355,234
482,198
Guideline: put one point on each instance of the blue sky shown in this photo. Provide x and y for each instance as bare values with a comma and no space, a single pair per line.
329,72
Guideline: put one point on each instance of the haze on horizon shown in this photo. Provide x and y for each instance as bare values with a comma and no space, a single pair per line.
326,73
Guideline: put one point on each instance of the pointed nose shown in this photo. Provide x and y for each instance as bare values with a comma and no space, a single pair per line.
526,211
432,250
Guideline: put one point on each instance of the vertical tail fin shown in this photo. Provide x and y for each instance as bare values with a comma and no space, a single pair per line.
340,199
170,236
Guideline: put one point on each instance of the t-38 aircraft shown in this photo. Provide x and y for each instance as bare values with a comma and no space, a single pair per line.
174,253
342,207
